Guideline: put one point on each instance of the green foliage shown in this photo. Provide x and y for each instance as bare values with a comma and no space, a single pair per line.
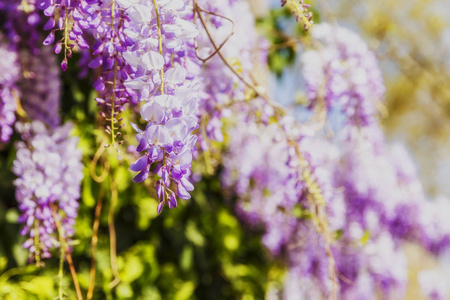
197,251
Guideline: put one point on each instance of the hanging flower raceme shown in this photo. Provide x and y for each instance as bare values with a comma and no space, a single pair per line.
9,74
162,51
108,22
72,18
341,72
300,10
225,22
48,163
40,86
49,169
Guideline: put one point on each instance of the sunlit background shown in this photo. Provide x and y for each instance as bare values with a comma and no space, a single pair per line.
201,250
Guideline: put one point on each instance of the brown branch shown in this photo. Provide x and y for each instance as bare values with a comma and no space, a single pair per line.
73,272
313,189
94,241
257,91
318,204
221,45
98,178
112,235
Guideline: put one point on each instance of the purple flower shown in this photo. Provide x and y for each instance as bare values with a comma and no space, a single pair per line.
343,73
9,74
49,170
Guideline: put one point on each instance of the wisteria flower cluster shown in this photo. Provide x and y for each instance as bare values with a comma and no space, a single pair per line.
159,58
49,170
48,163
337,211
9,73
342,72
371,194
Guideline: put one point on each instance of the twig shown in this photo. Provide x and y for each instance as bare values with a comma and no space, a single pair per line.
112,235
258,92
98,178
61,269
313,189
94,241
318,209
221,45
73,272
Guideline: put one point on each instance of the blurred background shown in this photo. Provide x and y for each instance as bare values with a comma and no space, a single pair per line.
201,250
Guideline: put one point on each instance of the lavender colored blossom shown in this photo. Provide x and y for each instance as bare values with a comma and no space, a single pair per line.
107,25
40,86
221,86
161,56
9,74
70,17
342,72
49,170
300,10
433,285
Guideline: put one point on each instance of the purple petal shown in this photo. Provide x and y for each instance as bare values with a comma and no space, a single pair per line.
176,172
76,15
142,144
141,176
49,10
50,38
50,24
160,190
97,62
182,193
187,184
139,164
172,200
82,43
58,47
160,207
64,65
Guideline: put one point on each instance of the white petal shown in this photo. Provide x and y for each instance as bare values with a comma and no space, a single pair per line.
140,14
189,31
172,43
152,112
126,3
135,84
131,59
172,4
152,61
158,135
175,75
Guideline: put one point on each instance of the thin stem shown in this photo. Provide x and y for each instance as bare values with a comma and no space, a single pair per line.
94,241
112,235
299,10
318,203
113,105
98,178
221,45
66,32
158,21
258,92
37,254
73,272
207,152
327,10
61,268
